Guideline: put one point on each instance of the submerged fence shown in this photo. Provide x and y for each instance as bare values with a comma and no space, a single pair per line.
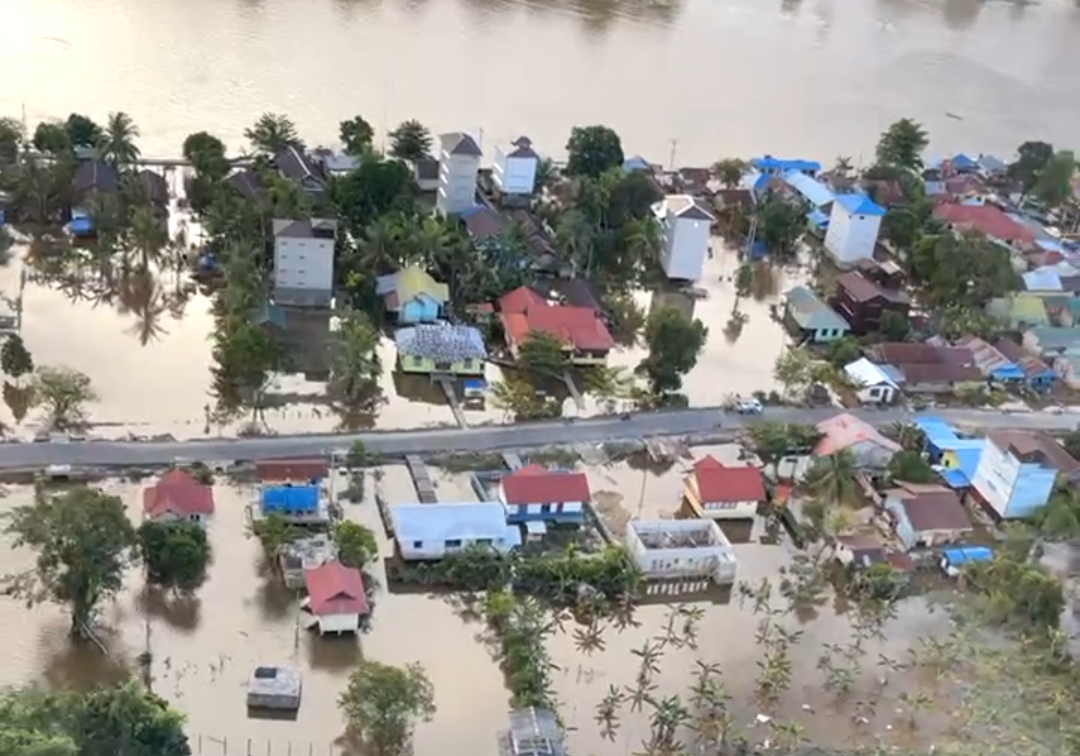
208,745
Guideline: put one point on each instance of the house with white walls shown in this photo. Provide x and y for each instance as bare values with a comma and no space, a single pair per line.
533,493
681,550
853,228
336,599
304,261
431,531
1017,472
514,172
719,491
459,165
176,497
685,228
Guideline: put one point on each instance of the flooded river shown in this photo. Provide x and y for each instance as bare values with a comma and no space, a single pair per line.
204,650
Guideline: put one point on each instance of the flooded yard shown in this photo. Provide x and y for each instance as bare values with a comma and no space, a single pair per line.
203,649
146,347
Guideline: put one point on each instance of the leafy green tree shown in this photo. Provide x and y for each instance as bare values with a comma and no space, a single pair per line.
627,318
781,225
902,144
359,455
832,478
15,359
1018,591
1059,518
901,228
792,370
843,351
117,145
411,140
148,236
744,283
356,134
1071,441
674,344
894,326
593,150
910,436
543,356
63,393
272,133
1054,183
82,131
383,704
729,171
773,441
521,400
176,554
206,153
966,270
374,189
355,369
1031,158
274,533
83,540
910,467
11,139
51,138
356,545
107,721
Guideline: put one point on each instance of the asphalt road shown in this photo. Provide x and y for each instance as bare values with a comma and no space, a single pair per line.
699,421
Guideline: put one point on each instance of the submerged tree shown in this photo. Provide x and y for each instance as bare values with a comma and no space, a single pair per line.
543,356
833,478
356,544
593,150
176,554
355,370
674,345
781,225
272,133
383,704
15,359
84,542
411,140
63,393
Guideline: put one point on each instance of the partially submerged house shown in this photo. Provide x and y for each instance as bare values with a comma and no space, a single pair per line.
514,171
681,550
532,732
177,496
871,449
1017,472
875,384
412,296
459,166
431,531
297,490
586,338
441,349
93,179
927,368
810,319
305,554
719,491
926,515
862,297
854,224
275,688
304,261
685,228
534,493
336,598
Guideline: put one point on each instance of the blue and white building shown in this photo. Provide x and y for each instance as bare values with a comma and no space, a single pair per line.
854,224
431,531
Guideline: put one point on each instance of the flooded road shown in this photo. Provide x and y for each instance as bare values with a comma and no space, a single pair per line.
203,650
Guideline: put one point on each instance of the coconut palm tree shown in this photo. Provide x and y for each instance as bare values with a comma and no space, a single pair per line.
908,435
380,245
272,133
833,477
148,237
118,142
354,373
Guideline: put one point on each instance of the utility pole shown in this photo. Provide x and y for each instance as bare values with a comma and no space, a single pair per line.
671,160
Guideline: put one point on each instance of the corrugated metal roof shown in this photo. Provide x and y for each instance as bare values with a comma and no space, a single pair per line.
857,204
812,190
811,313
866,373
443,522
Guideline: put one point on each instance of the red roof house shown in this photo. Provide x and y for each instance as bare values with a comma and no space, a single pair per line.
178,496
988,220
291,470
536,494
335,597
717,490
585,335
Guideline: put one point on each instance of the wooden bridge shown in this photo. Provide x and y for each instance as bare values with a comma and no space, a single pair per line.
425,489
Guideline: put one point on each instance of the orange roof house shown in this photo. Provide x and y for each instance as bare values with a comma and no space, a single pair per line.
523,311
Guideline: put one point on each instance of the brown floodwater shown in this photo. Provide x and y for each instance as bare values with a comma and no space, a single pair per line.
204,649
146,348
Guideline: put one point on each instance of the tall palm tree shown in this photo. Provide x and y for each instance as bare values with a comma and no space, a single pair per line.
833,478
355,369
118,142
148,236
379,246
908,435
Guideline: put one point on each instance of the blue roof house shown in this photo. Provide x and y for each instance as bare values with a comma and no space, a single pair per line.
810,189
853,229
299,504
775,166
431,531
955,458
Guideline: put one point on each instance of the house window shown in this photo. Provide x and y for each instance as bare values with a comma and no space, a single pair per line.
483,541
417,360
467,364
453,543
442,364
418,544
545,508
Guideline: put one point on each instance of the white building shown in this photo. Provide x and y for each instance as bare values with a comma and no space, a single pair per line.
1018,470
681,550
336,598
875,384
853,228
304,262
685,227
723,492
431,531
459,165
514,172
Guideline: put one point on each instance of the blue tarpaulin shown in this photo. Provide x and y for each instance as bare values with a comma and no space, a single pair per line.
81,225
290,499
